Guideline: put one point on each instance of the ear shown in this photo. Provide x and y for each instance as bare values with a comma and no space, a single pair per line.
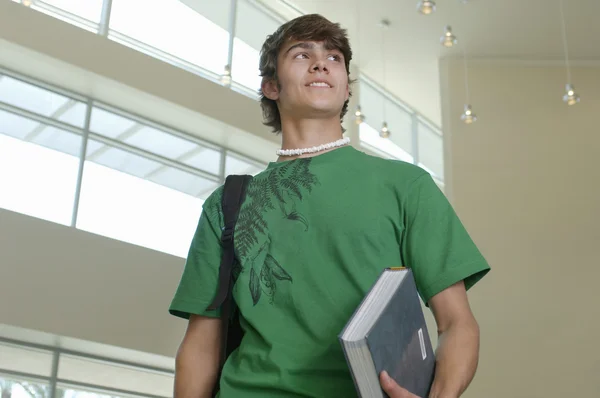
270,89
347,91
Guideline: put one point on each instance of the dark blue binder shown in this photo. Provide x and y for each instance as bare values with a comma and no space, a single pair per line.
388,332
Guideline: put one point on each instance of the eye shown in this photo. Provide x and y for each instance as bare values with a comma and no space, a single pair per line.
301,55
334,57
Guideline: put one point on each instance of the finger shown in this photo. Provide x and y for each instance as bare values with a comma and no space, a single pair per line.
392,388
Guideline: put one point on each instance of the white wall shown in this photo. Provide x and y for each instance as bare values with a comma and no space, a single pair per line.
525,182
72,283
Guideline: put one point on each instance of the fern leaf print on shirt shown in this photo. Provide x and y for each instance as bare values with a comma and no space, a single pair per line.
276,190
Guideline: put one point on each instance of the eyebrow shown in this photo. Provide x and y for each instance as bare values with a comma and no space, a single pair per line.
310,46
304,45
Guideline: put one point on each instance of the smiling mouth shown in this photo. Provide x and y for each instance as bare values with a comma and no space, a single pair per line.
319,84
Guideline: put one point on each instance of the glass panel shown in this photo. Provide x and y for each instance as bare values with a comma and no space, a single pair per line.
252,27
204,159
37,178
26,360
159,142
115,376
109,124
371,137
235,164
140,201
13,388
88,9
66,391
173,27
152,140
16,126
371,102
41,101
431,151
400,125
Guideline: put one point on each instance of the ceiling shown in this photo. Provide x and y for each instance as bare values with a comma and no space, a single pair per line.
507,29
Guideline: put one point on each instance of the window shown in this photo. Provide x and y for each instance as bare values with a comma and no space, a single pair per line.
38,157
237,164
83,14
252,27
142,183
43,102
114,375
31,371
17,358
173,28
23,388
88,9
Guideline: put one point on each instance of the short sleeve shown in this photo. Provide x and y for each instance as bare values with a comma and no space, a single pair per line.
199,281
435,244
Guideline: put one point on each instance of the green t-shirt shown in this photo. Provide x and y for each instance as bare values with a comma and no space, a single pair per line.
312,237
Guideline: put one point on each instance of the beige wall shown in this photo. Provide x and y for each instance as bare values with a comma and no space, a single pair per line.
71,283
524,180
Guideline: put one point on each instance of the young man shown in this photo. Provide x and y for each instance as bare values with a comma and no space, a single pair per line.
314,233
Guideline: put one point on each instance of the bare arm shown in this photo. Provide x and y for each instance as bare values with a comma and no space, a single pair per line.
458,348
197,360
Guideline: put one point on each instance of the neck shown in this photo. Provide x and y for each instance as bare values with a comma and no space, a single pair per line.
306,133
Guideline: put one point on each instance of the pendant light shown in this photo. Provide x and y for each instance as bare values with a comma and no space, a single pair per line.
448,39
26,3
426,7
384,132
359,116
570,97
226,76
468,116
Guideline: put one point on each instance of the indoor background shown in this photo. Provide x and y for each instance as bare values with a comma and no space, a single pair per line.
119,117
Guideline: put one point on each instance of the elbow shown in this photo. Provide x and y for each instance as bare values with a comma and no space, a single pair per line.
466,324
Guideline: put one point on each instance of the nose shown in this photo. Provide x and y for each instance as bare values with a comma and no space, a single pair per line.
319,66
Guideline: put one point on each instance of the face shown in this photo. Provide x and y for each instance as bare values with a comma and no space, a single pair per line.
313,81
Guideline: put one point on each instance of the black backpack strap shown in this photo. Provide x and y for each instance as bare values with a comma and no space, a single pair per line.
234,193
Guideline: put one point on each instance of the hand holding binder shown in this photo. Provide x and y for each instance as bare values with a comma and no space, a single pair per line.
392,389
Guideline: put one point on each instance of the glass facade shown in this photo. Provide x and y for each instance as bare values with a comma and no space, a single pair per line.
81,163
36,371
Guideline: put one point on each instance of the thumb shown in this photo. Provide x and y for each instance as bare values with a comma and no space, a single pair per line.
392,388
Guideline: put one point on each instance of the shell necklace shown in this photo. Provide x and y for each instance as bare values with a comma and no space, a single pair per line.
314,149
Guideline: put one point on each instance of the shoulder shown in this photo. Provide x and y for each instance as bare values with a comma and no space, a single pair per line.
212,205
400,173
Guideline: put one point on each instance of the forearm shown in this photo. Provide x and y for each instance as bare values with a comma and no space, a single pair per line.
457,358
195,373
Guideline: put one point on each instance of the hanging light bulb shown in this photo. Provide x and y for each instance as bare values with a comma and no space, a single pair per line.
571,97
385,132
360,117
226,76
468,116
448,39
426,7
26,3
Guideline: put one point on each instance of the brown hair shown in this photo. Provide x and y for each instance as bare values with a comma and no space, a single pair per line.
311,27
